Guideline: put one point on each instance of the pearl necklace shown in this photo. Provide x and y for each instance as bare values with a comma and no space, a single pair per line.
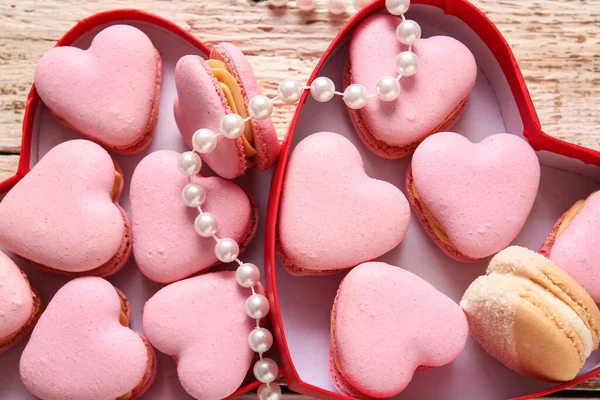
232,126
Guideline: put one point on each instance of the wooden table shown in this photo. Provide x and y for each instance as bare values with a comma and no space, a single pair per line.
557,44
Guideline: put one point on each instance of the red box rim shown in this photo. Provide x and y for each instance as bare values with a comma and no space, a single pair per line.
82,27
532,131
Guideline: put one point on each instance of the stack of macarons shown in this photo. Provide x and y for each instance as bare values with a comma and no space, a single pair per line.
64,217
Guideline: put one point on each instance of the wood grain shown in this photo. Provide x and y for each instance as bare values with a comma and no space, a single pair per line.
556,42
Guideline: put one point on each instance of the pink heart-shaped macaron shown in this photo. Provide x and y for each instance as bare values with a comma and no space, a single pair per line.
109,92
64,216
201,323
430,101
166,246
386,323
332,215
576,249
81,348
476,194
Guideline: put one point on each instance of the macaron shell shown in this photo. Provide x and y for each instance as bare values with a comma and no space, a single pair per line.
351,217
577,250
79,349
108,92
446,75
266,141
387,323
544,351
16,298
61,214
524,262
200,103
340,382
166,246
481,194
450,251
201,322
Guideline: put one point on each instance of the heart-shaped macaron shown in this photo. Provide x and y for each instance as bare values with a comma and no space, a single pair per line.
208,90
386,323
473,198
64,216
332,215
201,323
430,101
82,349
166,246
109,92
20,303
574,244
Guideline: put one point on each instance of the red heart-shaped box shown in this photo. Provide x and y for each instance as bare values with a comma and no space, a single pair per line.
498,103
41,131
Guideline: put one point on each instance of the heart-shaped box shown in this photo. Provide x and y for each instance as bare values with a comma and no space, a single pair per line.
499,102
41,132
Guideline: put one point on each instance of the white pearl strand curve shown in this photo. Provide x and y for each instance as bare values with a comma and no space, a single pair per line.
260,107
338,7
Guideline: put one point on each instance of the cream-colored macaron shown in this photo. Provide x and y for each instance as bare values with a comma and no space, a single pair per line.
532,316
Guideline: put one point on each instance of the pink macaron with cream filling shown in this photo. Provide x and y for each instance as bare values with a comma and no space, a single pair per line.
332,215
82,347
20,303
166,246
64,214
387,323
201,322
207,90
430,101
574,244
109,92
473,198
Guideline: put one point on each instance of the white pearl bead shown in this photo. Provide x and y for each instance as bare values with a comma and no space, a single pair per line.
388,88
278,3
193,195
247,275
269,392
206,224
355,96
407,63
260,340
336,7
322,89
260,107
359,4
306,5
189,163
232,126
397,7
257,306
204,140
408,32
289,91
227,250
266,370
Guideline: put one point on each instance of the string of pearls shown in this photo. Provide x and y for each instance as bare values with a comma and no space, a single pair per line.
335,7
232,126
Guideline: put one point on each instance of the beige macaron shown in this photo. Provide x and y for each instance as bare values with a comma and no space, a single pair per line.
532,316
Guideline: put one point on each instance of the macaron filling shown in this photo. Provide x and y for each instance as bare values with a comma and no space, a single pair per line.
557,307
235,100
116,189
431,220
124,321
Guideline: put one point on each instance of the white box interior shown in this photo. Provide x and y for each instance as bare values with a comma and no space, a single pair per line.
48,132
306,301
